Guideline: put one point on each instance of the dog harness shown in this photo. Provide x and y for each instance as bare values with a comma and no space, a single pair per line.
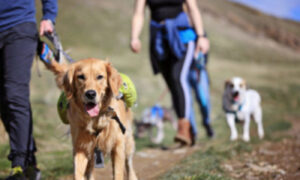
235,112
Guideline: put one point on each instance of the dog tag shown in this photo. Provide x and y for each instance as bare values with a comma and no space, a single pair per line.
99,160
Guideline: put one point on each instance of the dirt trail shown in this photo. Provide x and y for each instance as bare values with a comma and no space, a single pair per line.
149,163
270,160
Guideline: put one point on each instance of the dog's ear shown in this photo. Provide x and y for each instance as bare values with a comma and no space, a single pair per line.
244,82
59,70
227,83
114,79
67,82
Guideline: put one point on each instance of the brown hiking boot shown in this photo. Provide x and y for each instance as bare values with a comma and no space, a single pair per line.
183,135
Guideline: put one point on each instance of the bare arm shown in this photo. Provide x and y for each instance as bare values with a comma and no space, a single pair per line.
137,25
196,18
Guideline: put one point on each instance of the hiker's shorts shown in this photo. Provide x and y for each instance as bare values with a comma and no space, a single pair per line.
17,50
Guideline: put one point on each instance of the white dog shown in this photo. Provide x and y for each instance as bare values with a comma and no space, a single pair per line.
240,104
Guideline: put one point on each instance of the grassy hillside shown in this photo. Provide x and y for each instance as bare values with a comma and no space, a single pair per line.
252,21
101,29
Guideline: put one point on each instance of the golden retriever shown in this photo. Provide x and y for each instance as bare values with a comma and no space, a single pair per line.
91,87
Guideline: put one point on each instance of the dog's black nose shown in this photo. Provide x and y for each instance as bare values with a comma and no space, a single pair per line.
90,94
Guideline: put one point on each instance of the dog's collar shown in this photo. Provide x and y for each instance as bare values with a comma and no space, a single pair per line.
240,106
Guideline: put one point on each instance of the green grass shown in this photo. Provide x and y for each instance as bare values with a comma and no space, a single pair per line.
101,29
58,166
145,142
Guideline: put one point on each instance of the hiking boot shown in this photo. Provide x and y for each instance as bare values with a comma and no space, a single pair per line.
183,135
16,174
32,173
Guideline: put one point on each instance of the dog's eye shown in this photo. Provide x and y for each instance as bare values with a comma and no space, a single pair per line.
99,77
241,85
231,86
81,77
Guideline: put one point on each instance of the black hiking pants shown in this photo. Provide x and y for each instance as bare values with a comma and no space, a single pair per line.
17,50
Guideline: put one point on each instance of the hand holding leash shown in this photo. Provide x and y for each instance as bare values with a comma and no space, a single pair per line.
46,26
200,61
202,45
57,53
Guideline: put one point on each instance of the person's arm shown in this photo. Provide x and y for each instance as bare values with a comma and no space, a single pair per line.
196,18
137,25
50,9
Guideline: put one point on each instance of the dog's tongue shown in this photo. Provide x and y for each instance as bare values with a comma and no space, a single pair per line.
92,109
236,98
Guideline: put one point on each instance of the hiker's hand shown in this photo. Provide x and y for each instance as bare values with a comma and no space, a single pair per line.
136,45
202,45
46,26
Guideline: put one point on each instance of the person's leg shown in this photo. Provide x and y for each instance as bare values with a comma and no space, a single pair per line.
2,105
18,54
175,74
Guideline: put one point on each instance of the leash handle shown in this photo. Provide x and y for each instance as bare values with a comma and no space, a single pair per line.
200,61
45,53
58,51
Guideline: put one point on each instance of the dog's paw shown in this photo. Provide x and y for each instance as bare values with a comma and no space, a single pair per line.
261,136
233,138
155,141
246,138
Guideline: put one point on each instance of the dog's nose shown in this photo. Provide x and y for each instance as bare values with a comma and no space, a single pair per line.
90,94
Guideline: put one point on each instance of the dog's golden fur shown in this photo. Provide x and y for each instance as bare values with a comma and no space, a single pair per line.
100,131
